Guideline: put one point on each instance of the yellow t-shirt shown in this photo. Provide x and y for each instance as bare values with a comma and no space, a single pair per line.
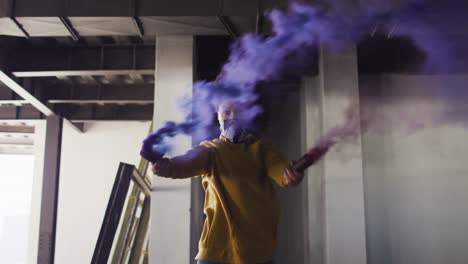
241,205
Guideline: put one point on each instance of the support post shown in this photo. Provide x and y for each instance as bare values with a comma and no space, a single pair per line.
50,189
170,207
345,237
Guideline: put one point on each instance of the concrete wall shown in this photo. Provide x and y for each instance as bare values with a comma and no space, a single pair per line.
415,169
413,164
89,164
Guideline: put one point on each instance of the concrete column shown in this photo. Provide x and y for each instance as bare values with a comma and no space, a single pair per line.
50,187
39,151
170,212
342,168
311,109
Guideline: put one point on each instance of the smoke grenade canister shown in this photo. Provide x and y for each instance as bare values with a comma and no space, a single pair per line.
311,157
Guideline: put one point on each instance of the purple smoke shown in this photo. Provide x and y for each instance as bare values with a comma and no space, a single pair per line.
256,58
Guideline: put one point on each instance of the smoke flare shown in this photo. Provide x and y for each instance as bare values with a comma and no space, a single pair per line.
255,58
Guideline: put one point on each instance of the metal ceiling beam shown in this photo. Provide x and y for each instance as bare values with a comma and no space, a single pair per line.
78,114
26,95
15,134
20,27
79,60
9,145
229,26
102,102
22,112
8,141
120,8
111,112
69,26
16,129
260,20
139,26
15,150
28,74
13,102
120,91
137,78
87,79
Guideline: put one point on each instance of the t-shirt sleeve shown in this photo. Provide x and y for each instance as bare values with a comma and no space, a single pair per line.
275,163
193,163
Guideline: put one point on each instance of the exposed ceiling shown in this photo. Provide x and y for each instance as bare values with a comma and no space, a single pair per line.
17,137
118,26
94,60
91,68
80,82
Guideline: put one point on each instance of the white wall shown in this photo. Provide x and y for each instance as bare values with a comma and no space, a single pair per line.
416,173
36,190
88,167
16,175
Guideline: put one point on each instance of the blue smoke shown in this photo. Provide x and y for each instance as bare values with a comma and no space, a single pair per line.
256,58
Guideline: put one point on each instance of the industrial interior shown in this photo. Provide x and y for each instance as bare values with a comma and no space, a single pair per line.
83,83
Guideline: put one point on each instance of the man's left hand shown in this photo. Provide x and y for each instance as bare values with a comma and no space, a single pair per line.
292,177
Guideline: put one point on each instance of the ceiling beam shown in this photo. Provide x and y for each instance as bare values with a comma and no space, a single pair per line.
139,26
121,8
136,78
114,92
68,25
83,60
16,134
20,27
102,102
26,95
16,150
19,112
229,26
28,74
78,113
13,102
16,141
16,129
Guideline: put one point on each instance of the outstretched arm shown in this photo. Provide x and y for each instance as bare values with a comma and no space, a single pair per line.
292,177
193,163
278,168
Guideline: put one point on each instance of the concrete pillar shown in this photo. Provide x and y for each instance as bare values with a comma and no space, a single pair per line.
342,168
36,191
170,212
50,187
311,109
